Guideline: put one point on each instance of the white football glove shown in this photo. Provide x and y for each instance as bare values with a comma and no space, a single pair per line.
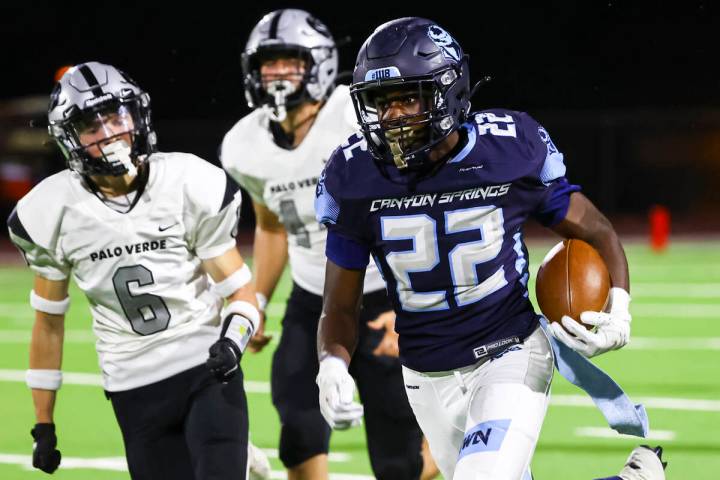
337,391
612,329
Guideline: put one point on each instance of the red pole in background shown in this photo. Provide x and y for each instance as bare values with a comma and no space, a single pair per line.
659,218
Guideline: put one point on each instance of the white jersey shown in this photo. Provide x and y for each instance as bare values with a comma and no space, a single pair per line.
153,313
285,180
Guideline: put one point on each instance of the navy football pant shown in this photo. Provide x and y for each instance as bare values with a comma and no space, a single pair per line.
188,426
393,436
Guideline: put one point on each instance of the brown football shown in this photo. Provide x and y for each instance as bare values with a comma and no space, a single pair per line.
573,278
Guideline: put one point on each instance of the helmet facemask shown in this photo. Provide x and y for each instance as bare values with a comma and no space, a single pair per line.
110,138
277,94
406,141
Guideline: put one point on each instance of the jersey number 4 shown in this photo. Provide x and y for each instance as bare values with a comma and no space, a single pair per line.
463,257
146,312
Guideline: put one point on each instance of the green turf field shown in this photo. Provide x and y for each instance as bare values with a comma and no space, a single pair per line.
672,365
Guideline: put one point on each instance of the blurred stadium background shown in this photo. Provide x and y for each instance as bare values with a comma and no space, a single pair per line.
629,93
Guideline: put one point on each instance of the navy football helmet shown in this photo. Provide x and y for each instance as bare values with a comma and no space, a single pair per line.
85,97
419,58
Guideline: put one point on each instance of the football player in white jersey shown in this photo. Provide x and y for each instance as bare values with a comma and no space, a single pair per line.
276,153
140,231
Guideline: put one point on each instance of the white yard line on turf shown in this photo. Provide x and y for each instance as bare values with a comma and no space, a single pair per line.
338,457
119,464
675,290
636,343
660,403
668,343
101,463
675,310
23,336
604,432
95,379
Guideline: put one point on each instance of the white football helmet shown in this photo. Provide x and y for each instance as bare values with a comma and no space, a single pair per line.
87,94
289,33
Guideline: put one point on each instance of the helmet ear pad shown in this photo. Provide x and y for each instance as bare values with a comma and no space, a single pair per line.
458,95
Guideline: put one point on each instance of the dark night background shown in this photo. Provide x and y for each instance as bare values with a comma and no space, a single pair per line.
629,91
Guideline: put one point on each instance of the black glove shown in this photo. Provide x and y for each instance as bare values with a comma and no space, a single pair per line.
224,359
45,456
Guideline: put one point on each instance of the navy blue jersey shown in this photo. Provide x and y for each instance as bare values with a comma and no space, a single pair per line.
451,249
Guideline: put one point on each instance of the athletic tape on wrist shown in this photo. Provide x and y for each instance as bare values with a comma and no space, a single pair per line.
53,307
240,322
238,329
43,379
238,279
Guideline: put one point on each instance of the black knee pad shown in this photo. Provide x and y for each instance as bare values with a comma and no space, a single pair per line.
302,436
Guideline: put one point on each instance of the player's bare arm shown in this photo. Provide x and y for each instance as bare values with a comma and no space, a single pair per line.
46,343
269,250
220,268
44,377
270,254
338,331
584,221
337,338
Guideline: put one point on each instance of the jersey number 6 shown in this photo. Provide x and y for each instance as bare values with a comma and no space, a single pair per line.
146,312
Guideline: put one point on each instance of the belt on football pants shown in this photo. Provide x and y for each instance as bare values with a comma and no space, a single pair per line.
621,413
495,347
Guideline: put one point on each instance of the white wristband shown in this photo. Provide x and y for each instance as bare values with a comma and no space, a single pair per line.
53,307
619,300
244,309
238,279
261,300
43,379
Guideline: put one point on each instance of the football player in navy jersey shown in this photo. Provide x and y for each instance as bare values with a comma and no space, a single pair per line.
439,196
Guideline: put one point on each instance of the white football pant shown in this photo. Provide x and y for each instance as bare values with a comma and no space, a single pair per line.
483,421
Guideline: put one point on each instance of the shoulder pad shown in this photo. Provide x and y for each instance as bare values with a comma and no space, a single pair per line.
206,185
524,142
38,215
241,139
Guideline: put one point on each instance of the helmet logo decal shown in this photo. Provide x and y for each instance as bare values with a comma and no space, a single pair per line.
90,102
318,26
382,73
545,137
445,42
